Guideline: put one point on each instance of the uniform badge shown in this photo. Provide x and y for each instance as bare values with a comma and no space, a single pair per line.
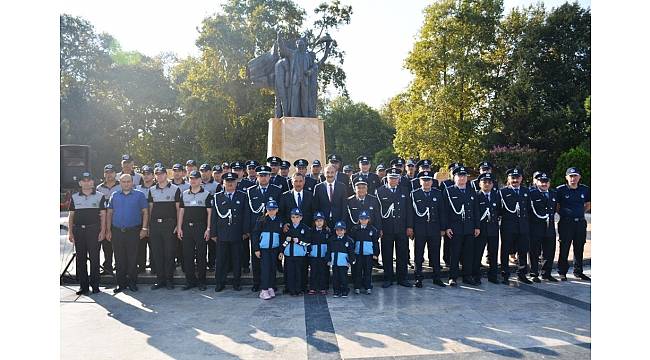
494,204
370,207
403,195
566,196
270,197
582,196
370,234
525,195
472,197
553,199
237,202
302,231
435,199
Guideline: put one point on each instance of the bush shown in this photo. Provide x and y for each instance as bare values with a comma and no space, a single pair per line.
526,158
578,157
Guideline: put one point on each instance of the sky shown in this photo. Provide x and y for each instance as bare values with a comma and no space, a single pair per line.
378,39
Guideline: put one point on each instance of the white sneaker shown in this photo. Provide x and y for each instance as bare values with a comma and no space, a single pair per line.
264,295
271,292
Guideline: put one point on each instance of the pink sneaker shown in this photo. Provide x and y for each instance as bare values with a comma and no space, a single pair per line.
271,292
264,295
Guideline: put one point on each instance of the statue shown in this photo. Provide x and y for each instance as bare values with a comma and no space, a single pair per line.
292,73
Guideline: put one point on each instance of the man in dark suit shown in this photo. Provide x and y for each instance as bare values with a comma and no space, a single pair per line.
330,197
298,197
230,228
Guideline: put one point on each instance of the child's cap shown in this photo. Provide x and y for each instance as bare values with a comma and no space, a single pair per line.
319,215
364,215
272,204
296,211
339,225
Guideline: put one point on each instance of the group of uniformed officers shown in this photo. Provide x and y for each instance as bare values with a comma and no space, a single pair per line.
238,215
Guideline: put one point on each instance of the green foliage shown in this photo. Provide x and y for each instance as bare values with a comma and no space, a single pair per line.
578,157
354,129
228,115
483,80
117,102
443,114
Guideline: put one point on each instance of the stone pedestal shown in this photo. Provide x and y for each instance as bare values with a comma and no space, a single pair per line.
293,138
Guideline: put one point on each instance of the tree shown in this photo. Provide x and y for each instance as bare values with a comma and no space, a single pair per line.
116,101
443,114
545,79
354,129
227,114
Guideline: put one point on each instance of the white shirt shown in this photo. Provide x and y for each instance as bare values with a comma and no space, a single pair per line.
295,196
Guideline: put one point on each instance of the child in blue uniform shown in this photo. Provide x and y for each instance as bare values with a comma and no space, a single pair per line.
340,255
366,248
266,241
294,249
318,270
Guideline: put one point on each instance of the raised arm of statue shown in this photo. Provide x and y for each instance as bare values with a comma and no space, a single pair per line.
285,51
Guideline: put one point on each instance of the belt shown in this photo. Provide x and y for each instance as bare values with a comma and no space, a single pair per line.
84,226
192,224
127,229
163,220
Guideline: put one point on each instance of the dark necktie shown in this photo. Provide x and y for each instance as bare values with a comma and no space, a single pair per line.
263,191
299,201
517,191
393,190
546,194
488,197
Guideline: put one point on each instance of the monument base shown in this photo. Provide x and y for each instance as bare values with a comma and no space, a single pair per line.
293,138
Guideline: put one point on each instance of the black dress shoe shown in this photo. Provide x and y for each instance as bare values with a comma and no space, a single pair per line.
549,278
202,287
452,282
418,283
582,277
563,277
118,289
95,290
439,283
387,284
236,287
505,280
157,286
477,281
82,292
536,279
170,286
219,288
493,280
188,286
524,279
406,283
133,287
255,288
